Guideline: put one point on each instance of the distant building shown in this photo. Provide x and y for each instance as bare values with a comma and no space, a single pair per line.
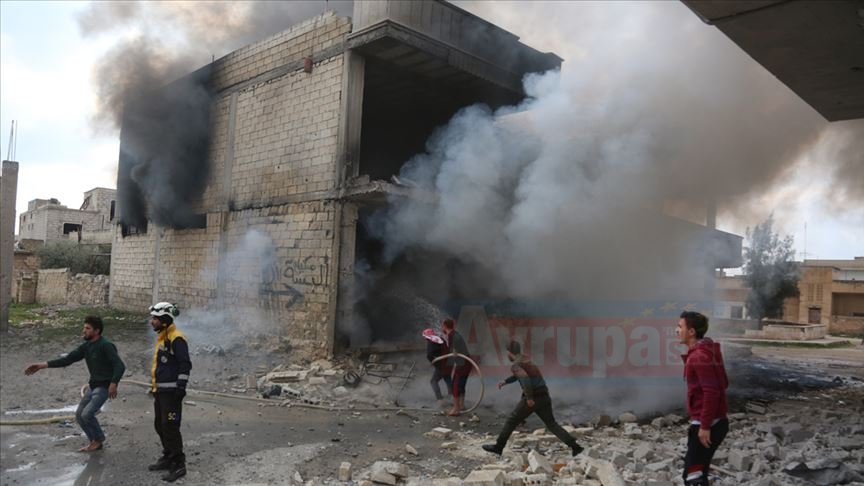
730,297
48,220
832,293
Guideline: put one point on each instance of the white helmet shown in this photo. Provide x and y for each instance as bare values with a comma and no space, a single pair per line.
164,309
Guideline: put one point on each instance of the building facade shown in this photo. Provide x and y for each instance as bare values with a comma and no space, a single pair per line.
831,293
48,220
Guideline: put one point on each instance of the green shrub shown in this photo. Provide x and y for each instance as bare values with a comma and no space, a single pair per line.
77,258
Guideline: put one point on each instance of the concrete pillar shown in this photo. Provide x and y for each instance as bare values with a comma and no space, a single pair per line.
8,193
345,219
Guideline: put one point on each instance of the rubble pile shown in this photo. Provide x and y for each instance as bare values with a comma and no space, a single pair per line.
809,445
323,383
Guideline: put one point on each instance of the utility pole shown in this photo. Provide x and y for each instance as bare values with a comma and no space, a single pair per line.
8,193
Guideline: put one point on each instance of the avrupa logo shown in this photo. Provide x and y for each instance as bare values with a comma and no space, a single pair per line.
585,339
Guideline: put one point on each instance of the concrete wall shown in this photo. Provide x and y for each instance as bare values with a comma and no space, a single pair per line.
271,189
846,325
52,287
58,286
87,289
24,267
132,268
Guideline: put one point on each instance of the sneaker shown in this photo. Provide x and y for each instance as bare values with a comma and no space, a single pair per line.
163,464
577,449
174,474
493,448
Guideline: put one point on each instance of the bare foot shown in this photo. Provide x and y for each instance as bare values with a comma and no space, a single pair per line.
94,446
454,412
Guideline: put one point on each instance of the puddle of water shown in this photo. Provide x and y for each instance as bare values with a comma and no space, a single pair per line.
22,467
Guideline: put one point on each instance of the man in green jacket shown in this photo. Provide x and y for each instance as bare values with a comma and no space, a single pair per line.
535,399
106,369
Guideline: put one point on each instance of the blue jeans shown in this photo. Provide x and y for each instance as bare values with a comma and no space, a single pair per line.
90,403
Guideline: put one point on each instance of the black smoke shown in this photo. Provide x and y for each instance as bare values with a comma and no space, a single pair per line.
164,153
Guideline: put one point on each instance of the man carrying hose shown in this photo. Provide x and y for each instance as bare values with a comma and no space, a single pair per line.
457,379
106,368
170,374
434,348
535,399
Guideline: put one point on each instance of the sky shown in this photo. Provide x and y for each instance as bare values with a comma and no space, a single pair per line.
46,85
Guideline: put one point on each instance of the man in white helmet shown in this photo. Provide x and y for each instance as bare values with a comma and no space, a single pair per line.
170,373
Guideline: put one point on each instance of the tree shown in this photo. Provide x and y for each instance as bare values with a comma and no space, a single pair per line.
76,257
769,271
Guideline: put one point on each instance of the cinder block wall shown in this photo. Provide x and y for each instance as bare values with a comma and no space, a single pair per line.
272,175
53,286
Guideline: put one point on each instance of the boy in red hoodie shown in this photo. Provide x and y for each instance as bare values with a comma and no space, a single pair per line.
706,397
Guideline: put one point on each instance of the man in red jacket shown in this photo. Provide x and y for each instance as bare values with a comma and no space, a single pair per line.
706,397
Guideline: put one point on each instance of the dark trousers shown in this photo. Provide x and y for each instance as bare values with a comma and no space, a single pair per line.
543,408
437,376
168,410
698,454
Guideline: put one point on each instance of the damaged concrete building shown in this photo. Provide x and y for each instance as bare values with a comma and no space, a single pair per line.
306,133
49,220
307,128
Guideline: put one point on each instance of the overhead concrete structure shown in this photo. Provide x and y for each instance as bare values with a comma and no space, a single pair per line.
816,48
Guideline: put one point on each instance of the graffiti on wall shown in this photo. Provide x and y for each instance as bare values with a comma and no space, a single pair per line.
285,280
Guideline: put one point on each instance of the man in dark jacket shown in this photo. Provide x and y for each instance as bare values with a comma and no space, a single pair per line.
435,348
170,374
535,399
706,397
106,369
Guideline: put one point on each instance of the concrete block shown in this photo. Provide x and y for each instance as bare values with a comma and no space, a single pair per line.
514,479
601,421
608,475
537,480
485,477
345,471
740,460
620,460
394,468
627,417
383,477
439,433
537,463
796,434
643,453
632,431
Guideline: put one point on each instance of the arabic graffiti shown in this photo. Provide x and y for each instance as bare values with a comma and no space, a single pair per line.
285,280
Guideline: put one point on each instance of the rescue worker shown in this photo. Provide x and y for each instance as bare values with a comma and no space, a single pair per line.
435,347
457,379
106,369
535,399
706,397
169,376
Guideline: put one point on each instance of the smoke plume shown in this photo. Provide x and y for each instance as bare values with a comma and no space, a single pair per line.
165,120
562,196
